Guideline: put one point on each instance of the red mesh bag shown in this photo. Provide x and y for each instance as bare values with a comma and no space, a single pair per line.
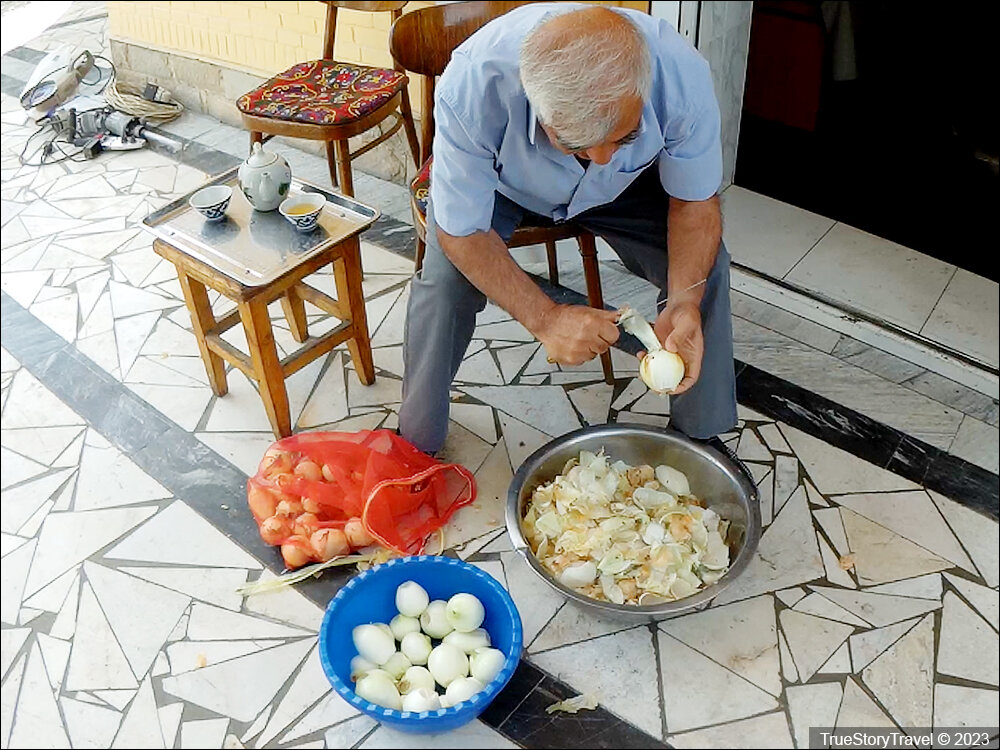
323,494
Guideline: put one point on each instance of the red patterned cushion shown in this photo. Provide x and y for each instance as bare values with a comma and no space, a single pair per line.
323,92
420,188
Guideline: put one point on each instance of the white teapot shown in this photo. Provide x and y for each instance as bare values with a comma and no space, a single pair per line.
265,178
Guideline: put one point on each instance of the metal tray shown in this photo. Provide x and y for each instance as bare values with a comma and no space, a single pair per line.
256,247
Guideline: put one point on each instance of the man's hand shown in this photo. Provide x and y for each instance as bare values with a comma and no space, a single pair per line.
679,328
574,334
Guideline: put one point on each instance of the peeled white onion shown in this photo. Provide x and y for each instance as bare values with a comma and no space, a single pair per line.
468,642
415,678
397,665
434,620
660,370
465,612
359,666
447,664
400,625
384,627
411,599
462,688
380,690
486,663
421,700
417,647
374,643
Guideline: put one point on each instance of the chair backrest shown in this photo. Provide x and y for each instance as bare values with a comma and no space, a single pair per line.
422,41
374,6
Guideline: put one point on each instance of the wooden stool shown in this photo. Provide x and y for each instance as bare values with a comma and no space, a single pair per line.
263,364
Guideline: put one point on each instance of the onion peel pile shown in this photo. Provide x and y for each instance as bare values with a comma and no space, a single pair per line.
625,534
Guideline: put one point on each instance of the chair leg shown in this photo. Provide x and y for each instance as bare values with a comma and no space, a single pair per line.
266,366
409,127
295,314
344,167
550,252
255,137
421,246
592,274
331,163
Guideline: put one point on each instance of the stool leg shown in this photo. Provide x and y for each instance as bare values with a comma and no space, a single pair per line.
343,152
331,163
592,274
411,130
295,314
267,368
203,321
347,271
550,253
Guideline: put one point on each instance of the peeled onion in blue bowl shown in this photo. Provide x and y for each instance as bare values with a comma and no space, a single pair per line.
465,612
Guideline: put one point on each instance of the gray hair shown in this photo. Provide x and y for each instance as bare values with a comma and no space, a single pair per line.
576,81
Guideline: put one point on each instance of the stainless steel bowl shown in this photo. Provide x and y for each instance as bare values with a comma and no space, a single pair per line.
715,478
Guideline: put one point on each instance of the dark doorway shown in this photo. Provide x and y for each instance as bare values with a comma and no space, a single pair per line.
882,115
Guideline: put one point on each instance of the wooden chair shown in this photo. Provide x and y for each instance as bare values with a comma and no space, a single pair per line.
421,42
326,100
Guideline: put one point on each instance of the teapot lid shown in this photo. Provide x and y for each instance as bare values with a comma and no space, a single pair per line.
259,157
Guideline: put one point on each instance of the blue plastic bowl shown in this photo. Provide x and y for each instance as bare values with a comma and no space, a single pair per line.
371,597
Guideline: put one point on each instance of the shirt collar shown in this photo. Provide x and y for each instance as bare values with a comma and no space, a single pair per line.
532,123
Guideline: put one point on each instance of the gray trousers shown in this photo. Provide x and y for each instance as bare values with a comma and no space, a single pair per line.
441,315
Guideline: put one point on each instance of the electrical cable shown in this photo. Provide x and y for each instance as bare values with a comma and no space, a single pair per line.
129,99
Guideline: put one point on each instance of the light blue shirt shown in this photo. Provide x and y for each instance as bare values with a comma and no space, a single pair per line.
487,138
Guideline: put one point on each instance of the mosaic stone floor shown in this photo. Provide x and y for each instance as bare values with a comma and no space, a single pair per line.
871,601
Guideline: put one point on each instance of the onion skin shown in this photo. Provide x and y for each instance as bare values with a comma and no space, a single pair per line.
306,524
289,508
329,543
357,535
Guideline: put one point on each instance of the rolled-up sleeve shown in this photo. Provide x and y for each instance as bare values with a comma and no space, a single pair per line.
464,177
691,161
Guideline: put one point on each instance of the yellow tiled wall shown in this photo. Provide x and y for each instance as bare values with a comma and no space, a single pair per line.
262,37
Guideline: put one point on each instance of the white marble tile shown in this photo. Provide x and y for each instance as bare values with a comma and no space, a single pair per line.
130,334
765,487
911,515
835,569
815,604
140,613
37,721
329,401
243,449
253,681
55,654
140,726
384,390
479,368
984,600
486,513
867,646
307,687
476,418
348,733
536,601
509,330
902,676
31,404
751,448
169,339
64,625
24,286
11,641
331,710
769,730
812,640
539,364
68,538
874,275
99,320
546,408
977,442
632,392
877,609
513,359
289,606
620,669
20,503
921,587
175,371
790,596
839,663
593,402
462,447
698,692
59,314
772,436
202,733
965,317
521,439
212,623
180,536
787,555
958,706
573,624
652,403
968,647
213,585
8,697
741,637
474,734
184,405
978,536
813,705
87,725
46,443
858,710
185,656
766,234
13,575
109,478
881,556
831,523
116,698
97,660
